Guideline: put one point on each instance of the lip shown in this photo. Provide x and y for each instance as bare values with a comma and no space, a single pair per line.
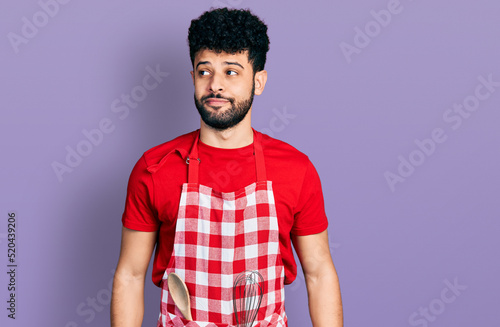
216,101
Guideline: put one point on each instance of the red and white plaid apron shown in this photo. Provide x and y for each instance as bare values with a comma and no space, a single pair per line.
219,235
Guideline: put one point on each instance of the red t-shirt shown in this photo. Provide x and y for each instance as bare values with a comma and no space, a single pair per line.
153,198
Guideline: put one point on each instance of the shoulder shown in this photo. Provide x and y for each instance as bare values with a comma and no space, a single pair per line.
155,154
278,150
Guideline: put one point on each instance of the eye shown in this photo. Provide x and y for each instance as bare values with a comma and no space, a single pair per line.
203,73
231,72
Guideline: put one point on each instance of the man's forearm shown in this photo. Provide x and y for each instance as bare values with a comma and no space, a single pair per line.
325,303
127,303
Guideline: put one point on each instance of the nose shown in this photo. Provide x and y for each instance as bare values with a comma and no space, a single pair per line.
216,83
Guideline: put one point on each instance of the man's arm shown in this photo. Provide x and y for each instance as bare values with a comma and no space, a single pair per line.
127,303
323,290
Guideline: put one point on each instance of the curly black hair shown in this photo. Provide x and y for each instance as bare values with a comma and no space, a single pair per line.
231,31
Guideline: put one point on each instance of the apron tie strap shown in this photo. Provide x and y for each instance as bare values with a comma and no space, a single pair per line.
155,167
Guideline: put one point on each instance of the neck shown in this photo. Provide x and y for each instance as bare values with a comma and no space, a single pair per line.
235,137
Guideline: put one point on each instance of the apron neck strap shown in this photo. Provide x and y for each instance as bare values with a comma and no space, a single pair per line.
193,159
260,164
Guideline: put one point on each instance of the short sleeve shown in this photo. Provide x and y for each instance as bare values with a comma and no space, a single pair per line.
139,212
310,217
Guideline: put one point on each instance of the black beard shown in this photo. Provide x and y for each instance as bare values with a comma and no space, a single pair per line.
230,117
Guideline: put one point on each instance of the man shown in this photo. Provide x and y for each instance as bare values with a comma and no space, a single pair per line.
225,199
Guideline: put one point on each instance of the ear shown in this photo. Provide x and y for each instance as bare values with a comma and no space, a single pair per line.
260,81
192,76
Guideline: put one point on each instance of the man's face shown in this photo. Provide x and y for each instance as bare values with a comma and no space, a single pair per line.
224,87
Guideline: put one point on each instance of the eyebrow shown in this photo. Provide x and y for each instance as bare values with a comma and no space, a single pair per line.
225,62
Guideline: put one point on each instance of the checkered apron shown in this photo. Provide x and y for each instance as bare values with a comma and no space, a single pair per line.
219,235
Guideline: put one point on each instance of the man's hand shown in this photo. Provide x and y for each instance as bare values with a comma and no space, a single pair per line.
325,303
127,303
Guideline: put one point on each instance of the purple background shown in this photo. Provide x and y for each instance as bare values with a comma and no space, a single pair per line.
396,250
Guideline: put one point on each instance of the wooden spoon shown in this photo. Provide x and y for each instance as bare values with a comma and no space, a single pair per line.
179,292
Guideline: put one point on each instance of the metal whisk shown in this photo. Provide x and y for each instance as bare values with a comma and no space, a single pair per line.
248,290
